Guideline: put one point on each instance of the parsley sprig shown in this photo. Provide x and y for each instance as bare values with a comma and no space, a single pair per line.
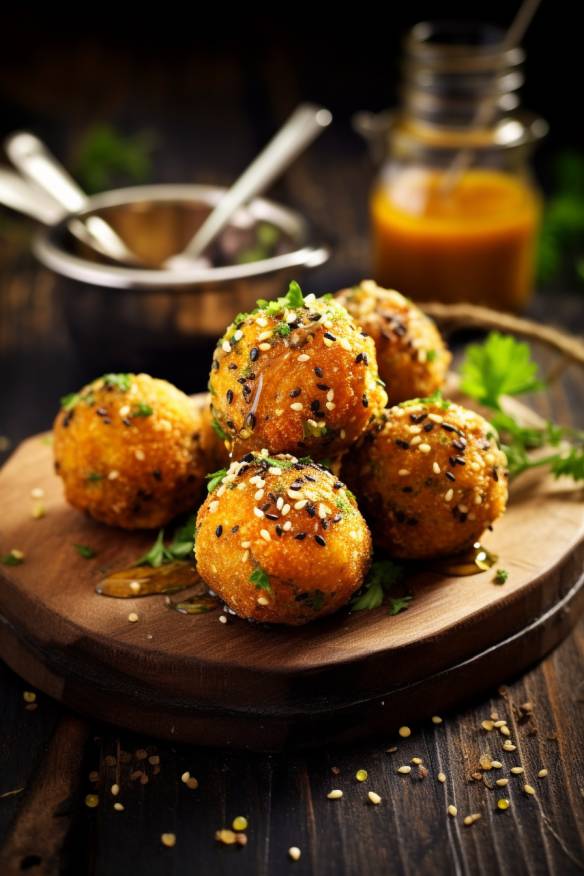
383,575
180,547
503,366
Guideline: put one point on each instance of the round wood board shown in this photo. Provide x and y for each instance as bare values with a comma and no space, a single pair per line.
193,679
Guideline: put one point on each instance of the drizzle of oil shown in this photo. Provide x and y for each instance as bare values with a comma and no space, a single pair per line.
477,559
198,603
147,581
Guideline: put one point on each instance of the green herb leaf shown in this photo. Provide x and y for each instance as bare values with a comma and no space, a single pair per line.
70,400
85,551
260,579
122,382
12,559
282,330
93,477
106,158
570,464
142,410
157,555
399,604
382,576
501,576
294,296
219,430
183,541
215,479
499,366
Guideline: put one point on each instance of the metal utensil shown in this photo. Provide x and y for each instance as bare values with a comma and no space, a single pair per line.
303,126
37,164
18,194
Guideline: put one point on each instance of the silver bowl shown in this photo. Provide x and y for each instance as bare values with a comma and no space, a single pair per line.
131,319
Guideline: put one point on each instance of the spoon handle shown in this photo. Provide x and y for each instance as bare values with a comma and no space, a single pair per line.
35,162
18,194
303,126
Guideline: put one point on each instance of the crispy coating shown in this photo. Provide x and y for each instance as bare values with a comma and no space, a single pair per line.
133,450
411,354
430,480
281,540
295,379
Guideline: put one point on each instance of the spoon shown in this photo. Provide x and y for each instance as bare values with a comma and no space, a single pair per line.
35,162
18,194
302,127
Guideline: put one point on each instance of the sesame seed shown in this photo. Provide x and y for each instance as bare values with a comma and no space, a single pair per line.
345,344
502,782
113,475
303,357
29,696
448,495
265,535
296,406
258,512
404,732
115,790
436,418
503,730
264,336
403,472
265,347
425,448
542,774
287,526
435,468
132,617
168,840
361,775
441,777
91,800
503,803
452,810
226,347
404,770
529,789
37,493
294,853
245,557
416,440
508,745
517,770
487,725
222,619
320,540
417,760
374,798
237,336
301,504
213,506
119,807
470,819
335,795
496,764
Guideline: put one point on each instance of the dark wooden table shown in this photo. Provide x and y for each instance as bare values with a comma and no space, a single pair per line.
48,757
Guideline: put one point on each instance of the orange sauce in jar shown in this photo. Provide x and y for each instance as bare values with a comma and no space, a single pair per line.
475,242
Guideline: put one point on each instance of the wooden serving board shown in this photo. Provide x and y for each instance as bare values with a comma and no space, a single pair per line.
194,679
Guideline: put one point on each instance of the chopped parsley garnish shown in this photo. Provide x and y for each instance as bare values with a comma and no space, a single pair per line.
382,576
12,558
215,478
118,381
85,551
70,400
435,399
431,355
283,330
93,477
260,579
399,604
503,366
142,410
180,547
218,429
501,576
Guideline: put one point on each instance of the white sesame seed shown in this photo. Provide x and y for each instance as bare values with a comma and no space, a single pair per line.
436,418
287,526
139,454
303,357
403,472
285,510
436,719
213,506
261,321
415,430
296,406
417,439
245,545
263,600
275,471
310,298
265,535
404,770
330,395
448,495
124,410
132,617
259,494
264,336
529,789
238,335
37,493
435,468
245,557
280,503
374,798
265,347
294,853
335,795
330,406
300,504
258,512
452,810
425,448
327,342
542,774
441,777
226,347
517,770
113,475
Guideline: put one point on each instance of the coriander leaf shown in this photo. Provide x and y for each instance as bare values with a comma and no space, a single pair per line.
569,464
431,355
218,429
156,556
499,366
260,579
142,410
383,574
93,477
283,330
183,541
501,576
215,478
294,297
85,551
122,382
70,400
399,604
12,559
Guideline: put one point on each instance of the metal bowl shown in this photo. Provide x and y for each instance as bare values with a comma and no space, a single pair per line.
125,318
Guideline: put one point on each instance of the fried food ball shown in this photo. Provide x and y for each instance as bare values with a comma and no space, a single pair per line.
430,479
296,374
411,354
133,451
281,540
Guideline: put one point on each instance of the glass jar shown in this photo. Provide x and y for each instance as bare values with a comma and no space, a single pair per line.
455,211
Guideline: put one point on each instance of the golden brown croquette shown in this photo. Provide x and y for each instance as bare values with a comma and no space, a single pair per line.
411,355
295,375
281,540
429,480
132,450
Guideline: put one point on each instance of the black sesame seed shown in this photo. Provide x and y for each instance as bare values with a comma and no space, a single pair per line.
448,428
215,364
127,422
272,517
329,336
106,420
254,353
230,424
248,457
235,528
449,475
320,540
157,474
101,412
219,531
365,401
308,477
250,421
310,510
229,396
459,460
265,506
359,358
318,372
337,485
279,530
324,524
459,445
314,317
403,444
295,392
407,489
241,380
428,427
315,406
418,418
232,366
300,536
337,518
495,474
323,386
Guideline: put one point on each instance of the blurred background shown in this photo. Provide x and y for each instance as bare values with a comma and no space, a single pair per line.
124,99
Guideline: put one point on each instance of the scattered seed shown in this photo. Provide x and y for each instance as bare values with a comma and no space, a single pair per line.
441,777
487,725
294,852
91,800
502,782
452,810
517,770
404,732
404,770
503,803
168,840
335,795
374,798
542,774
361,775
115,789
29,696
508,745
417,760
227,837
436,719
496,764
529,789
240,823
132,617
470,819
119,807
